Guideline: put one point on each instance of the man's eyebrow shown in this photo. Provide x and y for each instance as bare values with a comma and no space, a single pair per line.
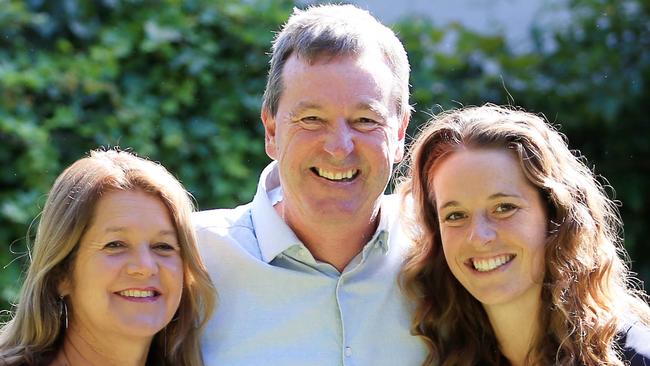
374,107
303,106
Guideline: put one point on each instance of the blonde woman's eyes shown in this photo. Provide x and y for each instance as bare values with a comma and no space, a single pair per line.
165,247
116,244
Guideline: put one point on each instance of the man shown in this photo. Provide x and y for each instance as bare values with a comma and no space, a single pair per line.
307,272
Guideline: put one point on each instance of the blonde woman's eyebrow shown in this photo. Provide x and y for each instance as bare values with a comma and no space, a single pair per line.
115,229
120,229
170,233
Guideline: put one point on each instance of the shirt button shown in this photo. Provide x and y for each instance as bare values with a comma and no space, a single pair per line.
348,351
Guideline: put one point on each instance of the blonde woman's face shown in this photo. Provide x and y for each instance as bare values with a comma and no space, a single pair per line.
127,278
493,225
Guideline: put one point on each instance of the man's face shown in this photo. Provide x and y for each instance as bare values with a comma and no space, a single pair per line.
335,136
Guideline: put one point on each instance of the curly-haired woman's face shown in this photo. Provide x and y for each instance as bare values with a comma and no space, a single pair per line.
493,225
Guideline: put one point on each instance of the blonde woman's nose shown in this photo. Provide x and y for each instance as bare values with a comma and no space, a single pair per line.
142,263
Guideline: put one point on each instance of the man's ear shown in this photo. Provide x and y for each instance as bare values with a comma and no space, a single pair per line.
401,135
269,132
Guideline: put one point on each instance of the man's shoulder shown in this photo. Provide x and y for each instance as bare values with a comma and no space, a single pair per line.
222,232
391,202
393,216
222,218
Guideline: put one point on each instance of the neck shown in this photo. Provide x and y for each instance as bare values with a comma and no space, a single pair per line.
516,326
81,347
336,243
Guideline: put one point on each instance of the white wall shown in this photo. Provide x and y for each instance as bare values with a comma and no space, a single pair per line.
510,17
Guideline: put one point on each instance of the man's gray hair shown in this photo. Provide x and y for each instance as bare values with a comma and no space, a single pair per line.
329,31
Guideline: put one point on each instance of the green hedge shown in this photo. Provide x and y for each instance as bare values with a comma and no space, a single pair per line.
181,81
178,81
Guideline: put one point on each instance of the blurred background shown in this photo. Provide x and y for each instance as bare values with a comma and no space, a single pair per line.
180,81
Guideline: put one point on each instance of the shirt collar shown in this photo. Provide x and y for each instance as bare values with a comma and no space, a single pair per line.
388,222
275,236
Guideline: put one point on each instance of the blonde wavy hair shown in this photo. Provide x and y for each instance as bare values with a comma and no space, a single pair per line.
35,333
588,293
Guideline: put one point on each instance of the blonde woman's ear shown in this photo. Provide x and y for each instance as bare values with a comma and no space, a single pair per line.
64,288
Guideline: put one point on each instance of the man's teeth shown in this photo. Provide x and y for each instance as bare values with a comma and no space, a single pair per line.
484,265
336,176
137,293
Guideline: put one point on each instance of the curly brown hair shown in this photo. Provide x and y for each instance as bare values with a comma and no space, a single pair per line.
588,293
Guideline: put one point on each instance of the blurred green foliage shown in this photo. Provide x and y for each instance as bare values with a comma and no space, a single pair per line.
180,81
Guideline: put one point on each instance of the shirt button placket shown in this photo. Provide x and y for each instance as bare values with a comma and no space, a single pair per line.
348,351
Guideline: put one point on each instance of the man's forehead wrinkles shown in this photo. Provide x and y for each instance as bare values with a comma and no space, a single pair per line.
369,105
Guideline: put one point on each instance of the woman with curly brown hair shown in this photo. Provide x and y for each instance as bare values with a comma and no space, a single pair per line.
518,257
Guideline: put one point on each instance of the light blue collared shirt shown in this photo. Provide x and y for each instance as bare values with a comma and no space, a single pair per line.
280,306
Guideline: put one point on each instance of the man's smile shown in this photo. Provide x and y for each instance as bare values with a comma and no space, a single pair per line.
347,175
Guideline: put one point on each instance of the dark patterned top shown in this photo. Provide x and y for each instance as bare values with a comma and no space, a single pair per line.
635,343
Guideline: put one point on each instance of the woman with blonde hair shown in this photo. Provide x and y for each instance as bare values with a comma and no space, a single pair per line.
115,276
518,257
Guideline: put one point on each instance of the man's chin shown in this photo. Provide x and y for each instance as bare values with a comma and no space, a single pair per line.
339,212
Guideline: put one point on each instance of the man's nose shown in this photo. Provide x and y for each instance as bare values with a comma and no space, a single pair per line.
339,142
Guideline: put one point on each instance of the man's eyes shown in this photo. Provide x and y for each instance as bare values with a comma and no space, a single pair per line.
362,120
311,119
367,120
